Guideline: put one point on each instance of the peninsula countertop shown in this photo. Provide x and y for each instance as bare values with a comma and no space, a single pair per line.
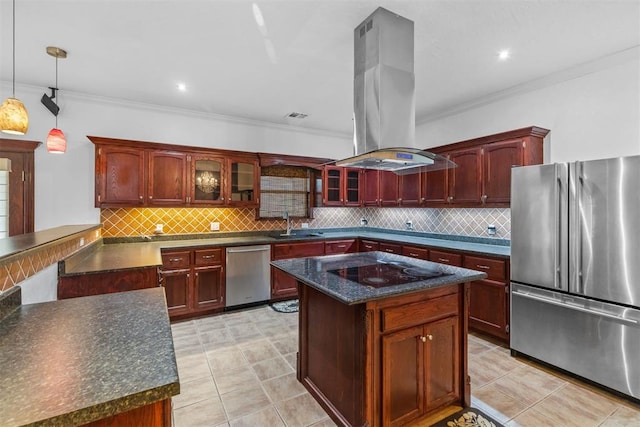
132,253
317,273
70,362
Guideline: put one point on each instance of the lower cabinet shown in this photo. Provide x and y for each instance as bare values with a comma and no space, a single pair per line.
193,281
284,286
82,285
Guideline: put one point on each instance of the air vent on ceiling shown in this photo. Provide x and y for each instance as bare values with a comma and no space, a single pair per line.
295,115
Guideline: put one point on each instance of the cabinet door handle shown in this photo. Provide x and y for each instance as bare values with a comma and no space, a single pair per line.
412,254
342,246
443,259
175,259
196,275
483,267
150,197
430,337
389,250
140,197
208,256
483,198
423,339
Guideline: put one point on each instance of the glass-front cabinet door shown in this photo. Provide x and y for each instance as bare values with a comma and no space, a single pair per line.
207,181
333,195
243,183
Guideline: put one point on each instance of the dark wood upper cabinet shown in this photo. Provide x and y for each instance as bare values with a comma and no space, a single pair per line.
410,189
435,187
388,188
370,187
341,186
167,178
465,184
497,161
242,182
120,176
206,180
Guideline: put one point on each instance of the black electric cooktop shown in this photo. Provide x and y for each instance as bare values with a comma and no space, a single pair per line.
388,273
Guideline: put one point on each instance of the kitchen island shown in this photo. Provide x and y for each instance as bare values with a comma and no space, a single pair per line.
382,337
99,360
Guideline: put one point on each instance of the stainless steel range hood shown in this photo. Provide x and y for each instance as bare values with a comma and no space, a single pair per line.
384,98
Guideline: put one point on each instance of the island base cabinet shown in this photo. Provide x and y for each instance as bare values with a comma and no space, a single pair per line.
153,415
385,362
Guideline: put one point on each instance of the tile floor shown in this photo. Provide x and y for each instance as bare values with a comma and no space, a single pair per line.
238,369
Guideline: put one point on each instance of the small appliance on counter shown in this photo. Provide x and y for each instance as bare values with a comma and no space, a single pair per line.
575,268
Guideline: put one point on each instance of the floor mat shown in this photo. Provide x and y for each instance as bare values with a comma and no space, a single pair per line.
290,306
468,417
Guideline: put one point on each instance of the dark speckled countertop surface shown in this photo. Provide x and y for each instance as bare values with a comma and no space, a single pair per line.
314,271
138,254
73,361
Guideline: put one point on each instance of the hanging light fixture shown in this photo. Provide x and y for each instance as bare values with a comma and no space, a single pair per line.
56,141
13,116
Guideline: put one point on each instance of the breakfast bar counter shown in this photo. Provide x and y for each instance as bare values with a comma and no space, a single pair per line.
382,337
104,360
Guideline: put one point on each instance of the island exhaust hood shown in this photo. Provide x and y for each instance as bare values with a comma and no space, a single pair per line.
384,98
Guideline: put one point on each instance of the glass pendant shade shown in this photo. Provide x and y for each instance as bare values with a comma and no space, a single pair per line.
13,117
56,142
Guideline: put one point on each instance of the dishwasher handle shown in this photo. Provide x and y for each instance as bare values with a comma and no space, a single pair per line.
257,249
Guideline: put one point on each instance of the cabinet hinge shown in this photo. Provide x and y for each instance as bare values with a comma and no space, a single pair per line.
24,176
506,329
100,151
99,198
188,158
524,144
482,151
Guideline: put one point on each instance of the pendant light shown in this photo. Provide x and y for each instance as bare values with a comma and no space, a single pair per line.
13,116
56,141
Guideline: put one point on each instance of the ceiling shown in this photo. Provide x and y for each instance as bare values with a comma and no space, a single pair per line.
301,59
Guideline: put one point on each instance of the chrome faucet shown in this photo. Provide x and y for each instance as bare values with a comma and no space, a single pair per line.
286,216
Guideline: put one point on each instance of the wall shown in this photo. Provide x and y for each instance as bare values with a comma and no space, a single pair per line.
593,111
64,183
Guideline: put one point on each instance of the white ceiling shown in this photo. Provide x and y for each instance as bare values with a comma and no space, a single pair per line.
139,50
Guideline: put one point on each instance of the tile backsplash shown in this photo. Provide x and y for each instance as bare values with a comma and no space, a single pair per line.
131,222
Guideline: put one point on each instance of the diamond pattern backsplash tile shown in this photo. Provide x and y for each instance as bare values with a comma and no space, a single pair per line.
142,221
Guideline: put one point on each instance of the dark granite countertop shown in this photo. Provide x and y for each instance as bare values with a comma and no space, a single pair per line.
314,272
74,361
10,246
139,254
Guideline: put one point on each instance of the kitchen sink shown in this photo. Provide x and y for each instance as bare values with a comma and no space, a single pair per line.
298,235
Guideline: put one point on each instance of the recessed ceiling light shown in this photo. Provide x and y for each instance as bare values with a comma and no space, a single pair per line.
182,87
503,54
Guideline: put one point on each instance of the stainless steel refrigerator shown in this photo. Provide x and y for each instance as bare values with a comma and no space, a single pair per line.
575,268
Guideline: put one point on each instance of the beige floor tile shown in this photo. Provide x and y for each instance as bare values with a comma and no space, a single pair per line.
476,348
195,391
226,359
291,359
497,404
268,417
244,333
576,406
283,388
271,368
623,416
259,350
532,418
236,379
192,367
286,344
244,402
483,369
301,411
528,385
204,413
327,422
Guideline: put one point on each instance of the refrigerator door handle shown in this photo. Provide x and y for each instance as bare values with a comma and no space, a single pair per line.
573,307
556,247
579,223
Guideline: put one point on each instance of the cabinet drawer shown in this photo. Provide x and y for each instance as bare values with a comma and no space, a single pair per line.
339,247
391,248
415,252
369,245
208,256
495,268
298,250
419,312
445,258
177,259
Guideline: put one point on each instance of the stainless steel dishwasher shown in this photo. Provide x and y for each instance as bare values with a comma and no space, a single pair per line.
248,274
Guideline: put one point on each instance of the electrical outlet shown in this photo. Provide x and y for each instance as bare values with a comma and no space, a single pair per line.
305,225
82,241
409,225
215,226
159,228
491,230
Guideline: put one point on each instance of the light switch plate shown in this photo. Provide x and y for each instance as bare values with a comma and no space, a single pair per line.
215,226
